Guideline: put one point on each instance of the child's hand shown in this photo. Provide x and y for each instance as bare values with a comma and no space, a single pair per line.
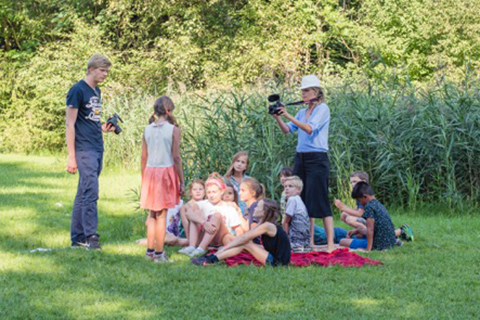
339,204
351,233
209,228
182,189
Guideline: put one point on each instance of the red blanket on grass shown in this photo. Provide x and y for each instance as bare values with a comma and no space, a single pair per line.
341,257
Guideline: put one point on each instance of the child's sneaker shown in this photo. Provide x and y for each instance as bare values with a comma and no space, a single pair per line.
398,242
161,258
407,233
198,252
149,255
186,250
200,261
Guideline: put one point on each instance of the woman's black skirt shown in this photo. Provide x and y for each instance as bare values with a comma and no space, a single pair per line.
312,168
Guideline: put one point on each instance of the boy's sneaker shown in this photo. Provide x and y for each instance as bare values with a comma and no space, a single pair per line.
161,258
407,233
198,252
93,242
398,242
79,244
186,250
200,261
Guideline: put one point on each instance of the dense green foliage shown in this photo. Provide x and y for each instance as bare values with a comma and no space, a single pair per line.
434,277
382,62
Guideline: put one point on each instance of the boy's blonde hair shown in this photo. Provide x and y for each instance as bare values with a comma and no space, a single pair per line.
98,61
360,174
295,181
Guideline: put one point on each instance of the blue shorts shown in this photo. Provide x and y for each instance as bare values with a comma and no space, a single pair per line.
358,244
269,260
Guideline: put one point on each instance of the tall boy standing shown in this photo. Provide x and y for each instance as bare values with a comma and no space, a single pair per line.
85,150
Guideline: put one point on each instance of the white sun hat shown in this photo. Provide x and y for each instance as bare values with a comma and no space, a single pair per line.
310,81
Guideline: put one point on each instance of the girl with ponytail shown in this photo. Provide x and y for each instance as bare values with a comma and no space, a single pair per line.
162,176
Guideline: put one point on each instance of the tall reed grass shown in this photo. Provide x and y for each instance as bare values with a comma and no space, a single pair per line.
419,144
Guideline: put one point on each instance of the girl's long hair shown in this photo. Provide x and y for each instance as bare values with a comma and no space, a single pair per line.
255,186
229,172
164,106
271,212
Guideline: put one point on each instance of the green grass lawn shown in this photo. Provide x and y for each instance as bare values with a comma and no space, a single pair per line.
436,277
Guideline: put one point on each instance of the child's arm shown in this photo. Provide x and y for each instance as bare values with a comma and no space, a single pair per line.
264,228
286,223
238,230
177,160
144,154
344,208
370,232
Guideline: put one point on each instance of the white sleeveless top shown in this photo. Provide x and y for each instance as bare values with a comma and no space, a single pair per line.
159,144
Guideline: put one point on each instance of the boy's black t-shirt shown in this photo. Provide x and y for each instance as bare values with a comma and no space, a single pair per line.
88,129
383,230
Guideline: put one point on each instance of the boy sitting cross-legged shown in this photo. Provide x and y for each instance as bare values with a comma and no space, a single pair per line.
296,222
380,231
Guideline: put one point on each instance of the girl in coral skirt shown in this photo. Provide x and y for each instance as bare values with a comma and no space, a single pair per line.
162,176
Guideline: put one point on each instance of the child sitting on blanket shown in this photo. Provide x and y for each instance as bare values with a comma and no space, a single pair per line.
230,197
296,222
276,248
284,174
353,217
211,221
380,231
319,234
196,190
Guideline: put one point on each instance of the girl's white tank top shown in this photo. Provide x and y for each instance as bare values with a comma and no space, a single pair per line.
159,139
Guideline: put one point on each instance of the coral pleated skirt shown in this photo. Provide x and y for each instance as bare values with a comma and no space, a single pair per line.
160,189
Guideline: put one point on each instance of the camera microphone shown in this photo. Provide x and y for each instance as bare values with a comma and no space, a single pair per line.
273,98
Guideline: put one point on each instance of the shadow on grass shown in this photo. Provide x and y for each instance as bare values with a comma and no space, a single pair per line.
36,203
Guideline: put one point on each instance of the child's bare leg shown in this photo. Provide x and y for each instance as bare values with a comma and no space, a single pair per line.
398,232
194,234
257,251
328,225
182,242
354,222
217,221
170,239
151,229
345,242
232,252
142,242
161,226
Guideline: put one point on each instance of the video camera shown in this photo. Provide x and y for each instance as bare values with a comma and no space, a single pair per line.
274,108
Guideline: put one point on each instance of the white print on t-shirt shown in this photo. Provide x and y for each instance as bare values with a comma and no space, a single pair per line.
96,106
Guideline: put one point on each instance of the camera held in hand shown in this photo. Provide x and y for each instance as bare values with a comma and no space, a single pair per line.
114,122
274,109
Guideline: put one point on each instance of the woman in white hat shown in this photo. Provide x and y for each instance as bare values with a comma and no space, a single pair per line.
311,159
